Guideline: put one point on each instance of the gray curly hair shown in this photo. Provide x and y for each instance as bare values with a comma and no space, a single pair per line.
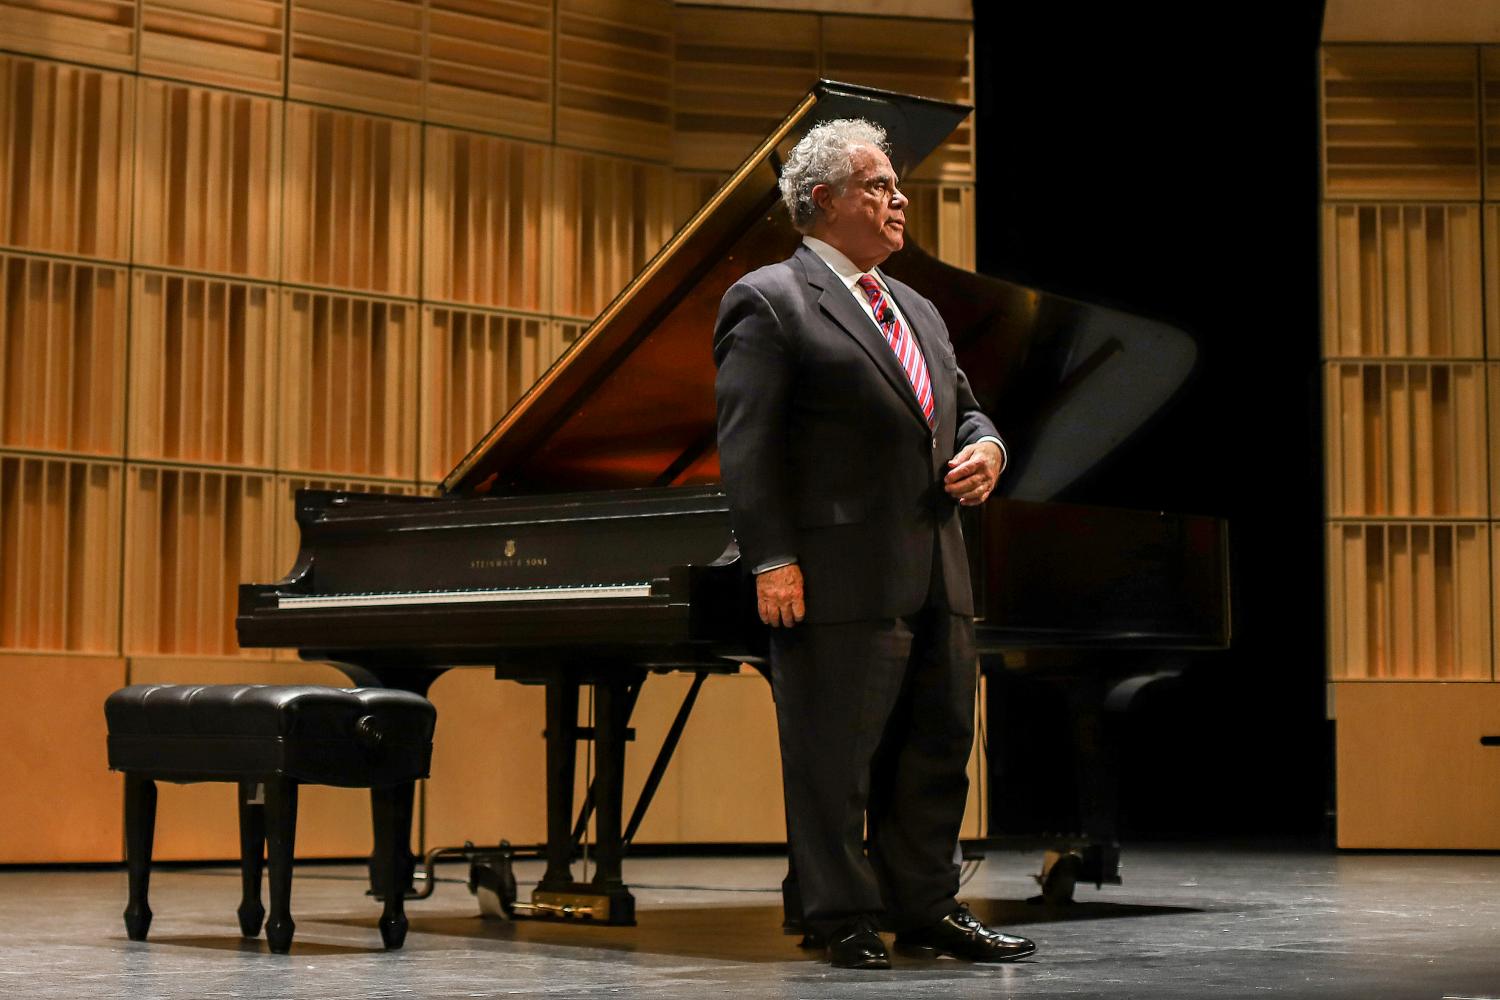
823,156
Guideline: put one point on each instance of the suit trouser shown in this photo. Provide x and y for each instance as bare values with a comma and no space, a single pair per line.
876,722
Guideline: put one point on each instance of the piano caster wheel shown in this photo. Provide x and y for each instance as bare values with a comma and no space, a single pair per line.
494,882
1059,875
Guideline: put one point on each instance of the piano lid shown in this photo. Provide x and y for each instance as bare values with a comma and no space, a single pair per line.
631,403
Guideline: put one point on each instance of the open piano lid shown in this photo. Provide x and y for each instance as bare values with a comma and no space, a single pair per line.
631,403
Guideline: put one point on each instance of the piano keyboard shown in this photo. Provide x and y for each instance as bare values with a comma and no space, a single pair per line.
506,596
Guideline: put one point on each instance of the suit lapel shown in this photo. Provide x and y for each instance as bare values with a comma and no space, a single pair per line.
838,303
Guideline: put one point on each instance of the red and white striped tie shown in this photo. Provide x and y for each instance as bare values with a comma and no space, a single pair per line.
901,341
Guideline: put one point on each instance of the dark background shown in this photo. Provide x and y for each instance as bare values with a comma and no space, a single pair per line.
1136,159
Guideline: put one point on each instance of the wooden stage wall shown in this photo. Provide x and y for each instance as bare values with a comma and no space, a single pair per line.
248,246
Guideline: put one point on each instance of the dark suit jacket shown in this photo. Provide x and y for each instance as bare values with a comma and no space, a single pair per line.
826,455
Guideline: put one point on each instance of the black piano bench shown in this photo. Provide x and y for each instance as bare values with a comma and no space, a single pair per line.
270,739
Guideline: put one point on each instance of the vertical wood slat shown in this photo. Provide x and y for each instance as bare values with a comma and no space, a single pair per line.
614,76
1402,281
191,536
59,554
1492,279
475,367
932,58
65,146
203,370
611,216
489,65
352,201
735,74
361,54
99,32
329,424
240,45
208,180
62,347
1400,122
485,221
1407,440
1410,601
940,220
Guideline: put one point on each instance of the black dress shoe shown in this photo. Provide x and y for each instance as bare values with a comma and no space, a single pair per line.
857,946
961,935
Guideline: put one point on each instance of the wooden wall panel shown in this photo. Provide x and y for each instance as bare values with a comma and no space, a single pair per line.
62,355
208,180
348,385
59,555
933,58
1411,772
736,75
1492,279
240,45
1409,601
691,190
352,201
614,76
200,822
98,32
486,220
1400,122
612,215
940,219
192,535
1402,280
62,801
1406,440
475,366
66,137
489,65
203,370
1490,58
364,54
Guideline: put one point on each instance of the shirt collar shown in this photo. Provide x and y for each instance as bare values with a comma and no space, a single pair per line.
838,263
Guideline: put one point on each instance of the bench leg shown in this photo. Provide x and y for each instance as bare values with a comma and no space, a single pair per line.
281,840
252,856
391,809
140,830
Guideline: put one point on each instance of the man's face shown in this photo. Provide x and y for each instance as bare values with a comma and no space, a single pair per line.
867,222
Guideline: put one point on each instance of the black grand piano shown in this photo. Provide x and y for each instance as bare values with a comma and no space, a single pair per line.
584,540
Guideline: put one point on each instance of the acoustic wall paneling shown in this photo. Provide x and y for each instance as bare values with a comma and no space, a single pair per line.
1490,82
489,65
1409,600
61,800
940,220
485,218
934,58
612,214
364,54
192,535
614,76
1402,280
1406,440
475,366
348,381
60,554
208,180
1401,122
203,370
240,45
1492,278
66,135
199,822
98,32
735,74
62,355
353,201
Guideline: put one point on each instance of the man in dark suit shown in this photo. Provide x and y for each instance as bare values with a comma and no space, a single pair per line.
848,438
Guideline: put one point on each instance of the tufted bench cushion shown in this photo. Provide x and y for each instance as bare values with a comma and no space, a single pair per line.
359,738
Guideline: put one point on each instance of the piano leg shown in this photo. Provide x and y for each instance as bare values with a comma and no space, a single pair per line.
611,716
562,757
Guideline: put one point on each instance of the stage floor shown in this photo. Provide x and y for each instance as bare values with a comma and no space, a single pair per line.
1190,922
